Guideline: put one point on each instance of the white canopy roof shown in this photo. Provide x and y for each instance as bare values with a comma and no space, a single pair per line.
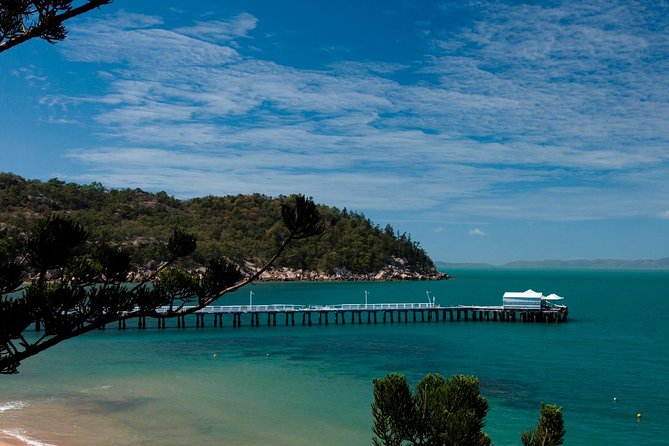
553,297
529,294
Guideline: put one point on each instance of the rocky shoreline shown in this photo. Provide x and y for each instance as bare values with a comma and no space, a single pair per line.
397,272
398,269
288,275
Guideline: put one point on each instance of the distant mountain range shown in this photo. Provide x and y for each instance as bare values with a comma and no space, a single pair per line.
568,264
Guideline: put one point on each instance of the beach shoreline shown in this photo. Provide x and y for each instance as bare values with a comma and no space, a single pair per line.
9,440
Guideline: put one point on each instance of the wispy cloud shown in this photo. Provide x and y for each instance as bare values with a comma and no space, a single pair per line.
221,30
31,76
558,112
139,41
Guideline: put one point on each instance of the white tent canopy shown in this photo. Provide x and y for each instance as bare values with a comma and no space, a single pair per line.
553,297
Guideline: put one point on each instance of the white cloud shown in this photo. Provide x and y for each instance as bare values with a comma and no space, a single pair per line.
477,232
583,74
537,110
664,214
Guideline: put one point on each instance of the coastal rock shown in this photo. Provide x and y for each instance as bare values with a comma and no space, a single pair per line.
54,274
283,274
391,273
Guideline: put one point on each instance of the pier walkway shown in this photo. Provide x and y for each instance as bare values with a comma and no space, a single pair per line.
352,313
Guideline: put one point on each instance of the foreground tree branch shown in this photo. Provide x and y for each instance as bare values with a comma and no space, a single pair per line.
22,20
91,291
550,429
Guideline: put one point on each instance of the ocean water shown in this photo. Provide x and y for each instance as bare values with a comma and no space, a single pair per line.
312,385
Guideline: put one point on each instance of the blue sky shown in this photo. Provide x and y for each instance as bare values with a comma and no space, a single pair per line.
490,131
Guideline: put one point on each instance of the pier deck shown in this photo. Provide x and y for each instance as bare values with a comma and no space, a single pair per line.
353,313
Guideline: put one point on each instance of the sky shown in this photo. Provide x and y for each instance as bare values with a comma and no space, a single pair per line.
488,131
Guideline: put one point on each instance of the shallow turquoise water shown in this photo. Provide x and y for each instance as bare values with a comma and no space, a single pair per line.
312,385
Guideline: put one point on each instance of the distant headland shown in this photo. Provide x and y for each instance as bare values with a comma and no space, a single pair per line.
244,229
652,264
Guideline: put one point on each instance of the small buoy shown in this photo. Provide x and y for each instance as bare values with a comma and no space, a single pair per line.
213,355
638,415
615,399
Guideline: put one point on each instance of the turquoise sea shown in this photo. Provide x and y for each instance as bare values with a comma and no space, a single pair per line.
312,385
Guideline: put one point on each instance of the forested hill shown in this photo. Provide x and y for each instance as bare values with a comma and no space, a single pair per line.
243,228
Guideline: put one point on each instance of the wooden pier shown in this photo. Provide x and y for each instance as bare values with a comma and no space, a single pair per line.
307,315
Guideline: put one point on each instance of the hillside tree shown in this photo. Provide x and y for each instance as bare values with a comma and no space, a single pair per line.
243,228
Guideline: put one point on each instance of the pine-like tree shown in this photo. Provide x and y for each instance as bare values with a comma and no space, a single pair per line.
550,428
439,412
80,283
22,20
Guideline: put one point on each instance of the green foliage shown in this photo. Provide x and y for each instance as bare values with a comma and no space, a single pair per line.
176,285
22,20
10,270
240,227
439,412
53,241
220,275
393,411
445,412
14,318
112,262
299,217
550,428
181,244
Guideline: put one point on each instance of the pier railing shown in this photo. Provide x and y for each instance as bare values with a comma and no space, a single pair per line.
229,309
393,306
282,308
